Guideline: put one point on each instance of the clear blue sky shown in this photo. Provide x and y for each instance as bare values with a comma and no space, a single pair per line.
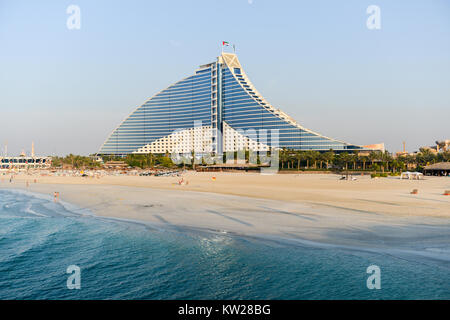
316,60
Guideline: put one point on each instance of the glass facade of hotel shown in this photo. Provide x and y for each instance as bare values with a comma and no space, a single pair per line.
219,94
176,107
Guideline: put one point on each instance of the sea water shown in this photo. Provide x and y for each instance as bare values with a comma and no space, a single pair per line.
40,239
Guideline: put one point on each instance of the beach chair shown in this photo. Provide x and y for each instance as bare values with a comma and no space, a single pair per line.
415,191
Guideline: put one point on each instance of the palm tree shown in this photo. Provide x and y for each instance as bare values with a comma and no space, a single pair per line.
288,159
363,159
314,157
311,156
71,159
425,156
409,159
283,157
374,156
292,158
445,155
397,164
352,157
321,160
307,157
193,159
151,160
328,157
299,155
385,158
345,158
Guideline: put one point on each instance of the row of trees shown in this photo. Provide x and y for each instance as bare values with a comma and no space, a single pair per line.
289,160
144,161
375,160
132,160
75,161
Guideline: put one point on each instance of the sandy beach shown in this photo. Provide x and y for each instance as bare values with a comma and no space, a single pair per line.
301,206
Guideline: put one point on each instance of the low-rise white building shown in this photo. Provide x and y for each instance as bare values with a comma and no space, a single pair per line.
25,162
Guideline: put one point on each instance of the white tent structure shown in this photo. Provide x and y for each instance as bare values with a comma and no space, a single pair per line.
411,175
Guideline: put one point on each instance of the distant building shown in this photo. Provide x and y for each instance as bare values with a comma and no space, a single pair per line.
115,165
437,169
401,153
372,147
23,162
441,146
96,158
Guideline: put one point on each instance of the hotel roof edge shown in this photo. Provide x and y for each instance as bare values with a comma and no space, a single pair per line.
140,106
232,61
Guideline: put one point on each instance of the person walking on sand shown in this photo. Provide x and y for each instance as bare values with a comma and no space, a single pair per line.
56,196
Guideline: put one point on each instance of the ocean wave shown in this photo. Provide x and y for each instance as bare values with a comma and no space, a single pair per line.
60,208
29,210
23,230
21,245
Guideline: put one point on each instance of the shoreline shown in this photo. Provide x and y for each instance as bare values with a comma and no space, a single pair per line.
404,245
325,221
390,196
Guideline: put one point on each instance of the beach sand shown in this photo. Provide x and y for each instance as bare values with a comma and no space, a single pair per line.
312,207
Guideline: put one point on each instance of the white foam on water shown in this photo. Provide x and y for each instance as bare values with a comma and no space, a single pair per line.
53,206
32,212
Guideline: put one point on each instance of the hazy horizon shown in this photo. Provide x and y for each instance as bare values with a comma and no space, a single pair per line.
66,90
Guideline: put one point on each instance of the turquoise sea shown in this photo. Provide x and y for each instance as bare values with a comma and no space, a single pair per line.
124,260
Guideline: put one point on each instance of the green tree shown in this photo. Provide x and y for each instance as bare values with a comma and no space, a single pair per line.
283,157
328,157
374,156
353,158
300,156
425,157
311,157
364,160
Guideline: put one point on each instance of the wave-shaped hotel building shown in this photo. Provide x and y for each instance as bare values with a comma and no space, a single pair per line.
217,109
